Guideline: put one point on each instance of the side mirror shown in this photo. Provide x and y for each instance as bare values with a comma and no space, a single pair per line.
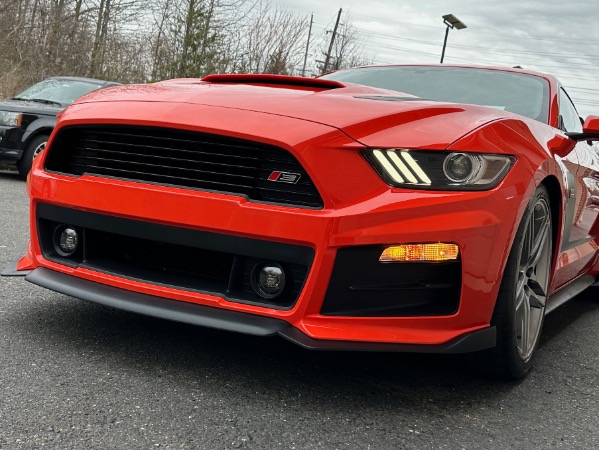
591,125
561,146
590,130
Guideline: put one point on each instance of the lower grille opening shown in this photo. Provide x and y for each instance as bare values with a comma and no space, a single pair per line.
175,257
361,286
170,264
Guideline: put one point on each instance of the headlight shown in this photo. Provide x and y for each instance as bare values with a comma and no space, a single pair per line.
10,119
423,169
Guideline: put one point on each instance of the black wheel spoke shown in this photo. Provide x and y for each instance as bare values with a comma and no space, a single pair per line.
537,301
537,288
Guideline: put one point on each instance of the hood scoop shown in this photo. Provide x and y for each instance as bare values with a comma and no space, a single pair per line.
274,80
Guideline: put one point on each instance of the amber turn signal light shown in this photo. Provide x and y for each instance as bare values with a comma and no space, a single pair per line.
420,252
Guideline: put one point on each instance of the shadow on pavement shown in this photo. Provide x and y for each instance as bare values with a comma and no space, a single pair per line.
266,366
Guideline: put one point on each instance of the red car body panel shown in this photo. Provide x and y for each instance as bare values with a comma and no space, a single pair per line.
325,129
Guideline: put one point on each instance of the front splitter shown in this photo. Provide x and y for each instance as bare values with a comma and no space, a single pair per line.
235,321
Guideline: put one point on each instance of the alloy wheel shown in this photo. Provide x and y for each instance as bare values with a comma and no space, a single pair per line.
533,278
40,148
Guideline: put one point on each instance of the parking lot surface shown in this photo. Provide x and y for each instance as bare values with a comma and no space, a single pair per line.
75,375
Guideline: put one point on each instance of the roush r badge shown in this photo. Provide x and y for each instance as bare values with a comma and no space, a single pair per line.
284,177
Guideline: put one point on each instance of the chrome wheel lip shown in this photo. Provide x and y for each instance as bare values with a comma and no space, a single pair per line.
534,268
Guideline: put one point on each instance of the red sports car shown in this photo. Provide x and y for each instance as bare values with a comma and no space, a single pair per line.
396,208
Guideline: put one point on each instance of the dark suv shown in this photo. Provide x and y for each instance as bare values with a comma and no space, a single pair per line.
27,120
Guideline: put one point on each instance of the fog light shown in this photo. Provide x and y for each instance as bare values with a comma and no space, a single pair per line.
268,280
420,252
66,241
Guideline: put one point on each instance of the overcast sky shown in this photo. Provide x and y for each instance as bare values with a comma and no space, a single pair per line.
557,37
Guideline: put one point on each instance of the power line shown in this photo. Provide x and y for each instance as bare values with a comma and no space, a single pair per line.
556,62
512,36
583,89
485,49
459,60
544,64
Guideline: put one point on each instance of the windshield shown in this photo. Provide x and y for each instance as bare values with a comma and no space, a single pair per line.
58,90
519,93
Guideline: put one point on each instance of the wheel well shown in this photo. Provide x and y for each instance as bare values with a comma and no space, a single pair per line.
555,203
555,199
41,132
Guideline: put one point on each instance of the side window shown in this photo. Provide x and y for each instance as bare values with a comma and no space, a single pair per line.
570,118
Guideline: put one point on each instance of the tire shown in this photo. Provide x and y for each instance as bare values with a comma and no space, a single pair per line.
35,146
520,308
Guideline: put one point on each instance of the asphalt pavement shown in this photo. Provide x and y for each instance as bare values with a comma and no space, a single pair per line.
75,375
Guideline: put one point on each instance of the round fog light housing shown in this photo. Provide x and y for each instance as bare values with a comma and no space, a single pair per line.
66,241
268,280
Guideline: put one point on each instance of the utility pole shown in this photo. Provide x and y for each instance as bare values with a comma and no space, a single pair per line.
308,45
328,58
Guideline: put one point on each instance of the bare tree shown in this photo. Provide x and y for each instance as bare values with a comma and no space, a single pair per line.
143,40
195,36
273,41
111,20
347,51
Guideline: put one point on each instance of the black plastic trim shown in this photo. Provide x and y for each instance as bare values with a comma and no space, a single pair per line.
470,342
227,282
10,156
362,286
569,292
66,139
582,136
155,306
235,321
179,236
11,270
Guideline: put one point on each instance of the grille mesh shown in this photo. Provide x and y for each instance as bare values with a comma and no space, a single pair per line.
183,159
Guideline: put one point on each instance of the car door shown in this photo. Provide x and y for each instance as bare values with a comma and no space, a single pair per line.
582,210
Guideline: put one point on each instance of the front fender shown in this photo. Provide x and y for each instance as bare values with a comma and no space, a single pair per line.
536,146
43,125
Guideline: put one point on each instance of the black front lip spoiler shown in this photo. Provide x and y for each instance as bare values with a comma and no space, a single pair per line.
235,321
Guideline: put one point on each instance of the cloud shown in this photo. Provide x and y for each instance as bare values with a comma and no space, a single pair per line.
550,36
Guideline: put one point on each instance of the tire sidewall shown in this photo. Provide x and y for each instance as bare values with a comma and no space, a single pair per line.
26,161
509,362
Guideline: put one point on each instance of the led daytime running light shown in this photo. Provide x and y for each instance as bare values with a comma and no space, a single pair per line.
388,166
394,162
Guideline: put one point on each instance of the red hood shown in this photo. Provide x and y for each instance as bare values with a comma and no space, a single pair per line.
374,117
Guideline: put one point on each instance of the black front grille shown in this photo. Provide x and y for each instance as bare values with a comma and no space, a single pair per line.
182,258
183,159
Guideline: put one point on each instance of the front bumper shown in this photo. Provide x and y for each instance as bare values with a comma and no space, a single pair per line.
235,321
359,211
11,145
10,155
466,219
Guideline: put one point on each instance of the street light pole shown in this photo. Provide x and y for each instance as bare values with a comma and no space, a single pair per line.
444,43
452,22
